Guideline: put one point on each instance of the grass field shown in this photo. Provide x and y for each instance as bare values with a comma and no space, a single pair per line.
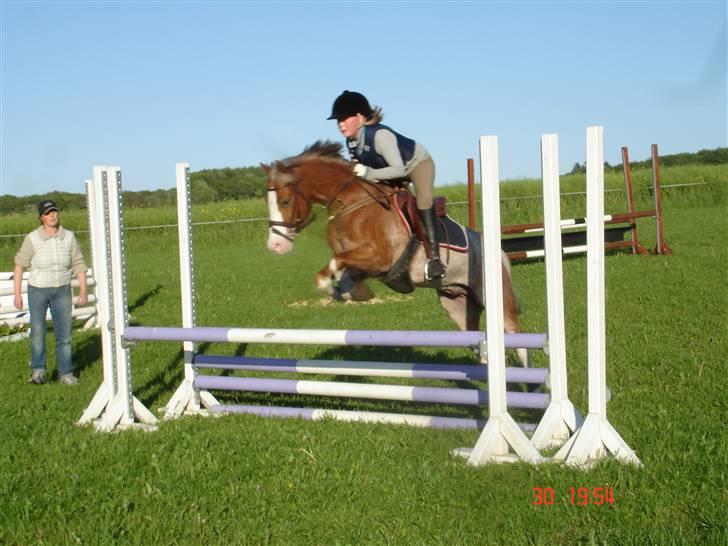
245,480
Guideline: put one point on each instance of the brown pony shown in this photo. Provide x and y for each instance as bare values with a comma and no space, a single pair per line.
369,238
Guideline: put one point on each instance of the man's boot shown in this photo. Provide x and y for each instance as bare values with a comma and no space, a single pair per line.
434,269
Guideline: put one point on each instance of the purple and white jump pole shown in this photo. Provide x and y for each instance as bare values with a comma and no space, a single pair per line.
374,391
448,372
296,336
426,421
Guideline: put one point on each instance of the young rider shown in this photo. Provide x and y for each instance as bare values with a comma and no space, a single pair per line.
382,154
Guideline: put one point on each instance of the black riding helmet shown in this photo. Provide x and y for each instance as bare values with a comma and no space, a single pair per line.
348,104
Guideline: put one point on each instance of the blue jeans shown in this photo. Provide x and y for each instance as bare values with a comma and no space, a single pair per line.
59,301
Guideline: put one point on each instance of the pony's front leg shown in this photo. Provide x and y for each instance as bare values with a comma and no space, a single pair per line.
342,282
325,281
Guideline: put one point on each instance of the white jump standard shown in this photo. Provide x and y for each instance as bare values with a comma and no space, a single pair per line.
596,437
114,405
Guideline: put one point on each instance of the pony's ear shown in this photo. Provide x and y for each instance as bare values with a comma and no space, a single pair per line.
265,167
281,167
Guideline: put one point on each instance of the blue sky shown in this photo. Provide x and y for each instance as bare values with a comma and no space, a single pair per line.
144,85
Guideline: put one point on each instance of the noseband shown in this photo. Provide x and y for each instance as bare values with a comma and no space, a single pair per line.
299,223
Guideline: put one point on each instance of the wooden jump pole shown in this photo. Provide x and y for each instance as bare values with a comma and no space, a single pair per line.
637,248
661,247
471,194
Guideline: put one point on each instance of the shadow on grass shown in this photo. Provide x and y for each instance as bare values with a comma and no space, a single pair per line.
87,352
171,375
166,379
90,349
144,298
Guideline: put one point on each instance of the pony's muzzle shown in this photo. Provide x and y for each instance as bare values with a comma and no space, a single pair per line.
278,242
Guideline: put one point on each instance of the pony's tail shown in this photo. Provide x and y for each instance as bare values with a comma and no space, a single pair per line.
505,260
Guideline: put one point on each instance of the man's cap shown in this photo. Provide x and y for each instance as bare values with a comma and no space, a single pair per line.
46,206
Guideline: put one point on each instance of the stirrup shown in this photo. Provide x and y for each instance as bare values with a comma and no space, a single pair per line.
434,269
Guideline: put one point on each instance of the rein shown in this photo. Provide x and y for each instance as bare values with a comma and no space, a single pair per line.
382,198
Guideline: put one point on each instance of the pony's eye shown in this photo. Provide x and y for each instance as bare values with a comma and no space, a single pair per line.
285,202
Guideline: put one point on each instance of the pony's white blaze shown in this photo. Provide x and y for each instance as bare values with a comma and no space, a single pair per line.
276,243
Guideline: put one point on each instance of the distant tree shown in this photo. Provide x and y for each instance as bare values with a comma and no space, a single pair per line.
229,183
201,191
718,156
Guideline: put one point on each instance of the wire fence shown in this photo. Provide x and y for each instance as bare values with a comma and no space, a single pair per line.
265,218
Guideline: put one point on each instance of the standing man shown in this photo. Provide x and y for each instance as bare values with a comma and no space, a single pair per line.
52,254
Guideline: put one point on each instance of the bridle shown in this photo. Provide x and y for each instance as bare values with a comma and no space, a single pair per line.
299,223
379,197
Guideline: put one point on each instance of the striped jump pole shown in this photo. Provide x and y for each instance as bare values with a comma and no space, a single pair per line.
576,223
375,391
448,372
378,338
426,421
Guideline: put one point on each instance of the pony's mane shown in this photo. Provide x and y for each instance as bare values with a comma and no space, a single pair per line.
321,149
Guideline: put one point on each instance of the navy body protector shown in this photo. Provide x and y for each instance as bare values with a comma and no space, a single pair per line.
368,156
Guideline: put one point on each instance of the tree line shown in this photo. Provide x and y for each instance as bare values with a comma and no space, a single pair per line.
717,156
213,185
207,186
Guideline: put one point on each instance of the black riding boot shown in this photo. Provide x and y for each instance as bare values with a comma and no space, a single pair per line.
434,269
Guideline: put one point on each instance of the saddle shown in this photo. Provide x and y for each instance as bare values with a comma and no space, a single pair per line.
450,234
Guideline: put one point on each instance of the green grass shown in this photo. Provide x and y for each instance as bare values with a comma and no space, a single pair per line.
244,480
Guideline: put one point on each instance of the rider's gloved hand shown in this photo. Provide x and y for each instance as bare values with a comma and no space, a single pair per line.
360,170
